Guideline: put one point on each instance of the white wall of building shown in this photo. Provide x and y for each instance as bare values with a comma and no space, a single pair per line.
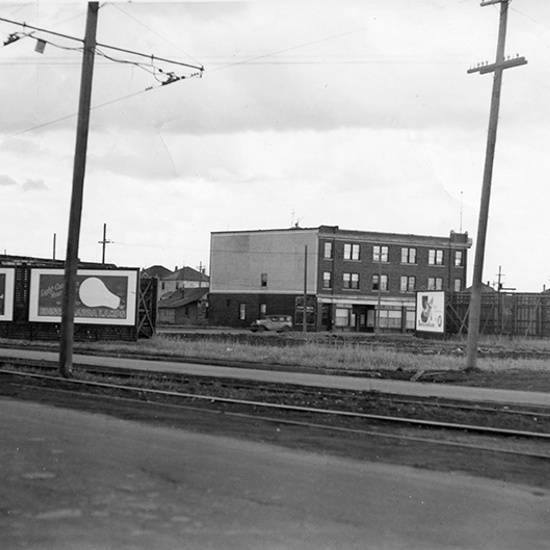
238,261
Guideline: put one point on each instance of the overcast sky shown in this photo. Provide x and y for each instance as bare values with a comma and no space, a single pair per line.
353,113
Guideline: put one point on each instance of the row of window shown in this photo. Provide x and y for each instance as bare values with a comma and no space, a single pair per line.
381,282
380,253
387,318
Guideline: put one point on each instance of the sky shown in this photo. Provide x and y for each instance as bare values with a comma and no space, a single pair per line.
353,113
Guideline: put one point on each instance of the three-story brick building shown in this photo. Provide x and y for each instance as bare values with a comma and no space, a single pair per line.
353,280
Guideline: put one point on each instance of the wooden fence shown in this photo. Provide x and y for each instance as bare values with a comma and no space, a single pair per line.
502,313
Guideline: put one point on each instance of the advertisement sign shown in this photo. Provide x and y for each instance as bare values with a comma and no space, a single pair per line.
430,311
103,297
7,285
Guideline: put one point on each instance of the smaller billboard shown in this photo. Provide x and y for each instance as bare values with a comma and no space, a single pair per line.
7,286
103,297
430,311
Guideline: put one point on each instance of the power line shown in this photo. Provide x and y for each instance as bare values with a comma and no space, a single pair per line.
290,48
168,77
247,60
151,30
100,45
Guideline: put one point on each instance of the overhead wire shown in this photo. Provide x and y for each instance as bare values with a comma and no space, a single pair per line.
230,65
288,49
151,30
170,77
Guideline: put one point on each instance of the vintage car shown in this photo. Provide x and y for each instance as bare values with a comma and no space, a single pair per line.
277,323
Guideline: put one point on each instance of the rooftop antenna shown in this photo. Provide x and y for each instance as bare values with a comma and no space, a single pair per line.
461,207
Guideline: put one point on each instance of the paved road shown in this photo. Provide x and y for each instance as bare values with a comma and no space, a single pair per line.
72,480
306,379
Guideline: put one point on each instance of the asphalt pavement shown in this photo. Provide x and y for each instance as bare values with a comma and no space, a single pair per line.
85,481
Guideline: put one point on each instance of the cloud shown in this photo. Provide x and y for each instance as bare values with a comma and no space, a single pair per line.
26,185
293,69
6,180
34,185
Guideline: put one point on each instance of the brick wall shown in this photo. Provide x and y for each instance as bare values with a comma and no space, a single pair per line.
225,309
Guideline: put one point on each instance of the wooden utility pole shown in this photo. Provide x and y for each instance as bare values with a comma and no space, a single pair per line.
377,328
104,242
497,67
200,271
71,262
304,316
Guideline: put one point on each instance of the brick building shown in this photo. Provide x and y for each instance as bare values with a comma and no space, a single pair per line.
352,279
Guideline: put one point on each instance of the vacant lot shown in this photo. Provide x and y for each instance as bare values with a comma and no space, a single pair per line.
503,363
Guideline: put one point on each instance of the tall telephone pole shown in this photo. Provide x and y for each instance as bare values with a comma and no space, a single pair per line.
304,317
71,262
104,243
497,68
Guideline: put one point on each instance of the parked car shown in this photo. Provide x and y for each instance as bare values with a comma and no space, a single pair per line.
278,323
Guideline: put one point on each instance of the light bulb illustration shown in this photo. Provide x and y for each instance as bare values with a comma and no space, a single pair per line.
94,293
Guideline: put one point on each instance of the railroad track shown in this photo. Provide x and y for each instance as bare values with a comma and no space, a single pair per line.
534,418
293,412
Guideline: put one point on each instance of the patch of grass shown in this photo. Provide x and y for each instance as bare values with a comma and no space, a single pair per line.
345,355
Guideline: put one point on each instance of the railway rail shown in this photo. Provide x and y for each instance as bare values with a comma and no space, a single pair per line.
274,391
341,412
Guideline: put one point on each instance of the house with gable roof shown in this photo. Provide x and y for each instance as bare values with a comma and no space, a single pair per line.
184,307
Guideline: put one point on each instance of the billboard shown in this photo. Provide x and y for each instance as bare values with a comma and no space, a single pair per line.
103,297
7,286
430,311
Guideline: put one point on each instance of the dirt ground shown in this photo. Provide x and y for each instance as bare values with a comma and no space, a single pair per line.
531,471
513,379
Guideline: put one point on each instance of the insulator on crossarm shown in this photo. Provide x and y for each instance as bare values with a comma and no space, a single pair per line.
13,37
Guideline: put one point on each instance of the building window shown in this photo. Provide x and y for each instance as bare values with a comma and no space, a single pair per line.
263,279
341,317
410,319
263,311
408,284
351,280
459,258
457,287
435,256
435,283
351,251
380,282
327,279
327,254
408,255
389,318
242,312
380,253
